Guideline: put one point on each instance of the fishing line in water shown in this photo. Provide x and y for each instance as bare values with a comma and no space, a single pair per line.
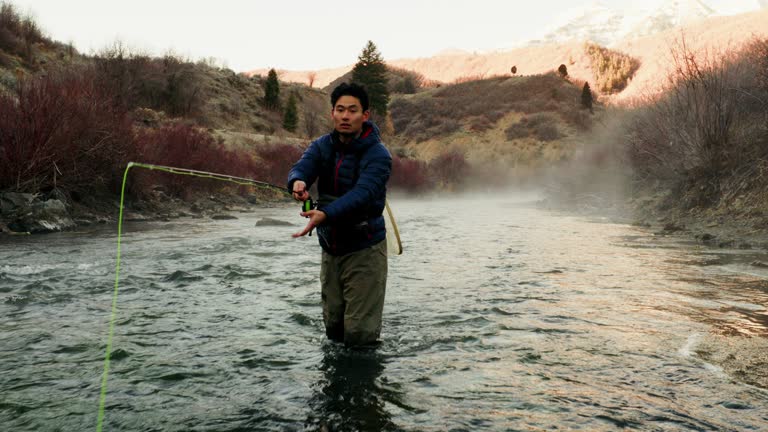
393,241
182,171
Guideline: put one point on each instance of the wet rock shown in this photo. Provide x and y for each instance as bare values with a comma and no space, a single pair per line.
42,217
223,217
12,202
672,227
272,222
58,194
134,217
760,264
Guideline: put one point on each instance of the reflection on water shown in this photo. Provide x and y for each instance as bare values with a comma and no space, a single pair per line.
350,396
498,317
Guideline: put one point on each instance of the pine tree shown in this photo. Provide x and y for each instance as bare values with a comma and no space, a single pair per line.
586,97
371,72
272,91
291,116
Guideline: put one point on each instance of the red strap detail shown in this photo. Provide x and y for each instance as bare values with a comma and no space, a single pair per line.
366,132
336,177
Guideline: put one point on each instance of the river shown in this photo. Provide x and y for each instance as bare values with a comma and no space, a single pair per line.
499,316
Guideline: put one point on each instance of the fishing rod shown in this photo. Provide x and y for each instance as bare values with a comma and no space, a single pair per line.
306,206
205,174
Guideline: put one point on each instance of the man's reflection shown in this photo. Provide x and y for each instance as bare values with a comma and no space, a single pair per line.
348,397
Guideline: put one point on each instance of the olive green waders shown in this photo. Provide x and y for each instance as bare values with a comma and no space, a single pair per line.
353,288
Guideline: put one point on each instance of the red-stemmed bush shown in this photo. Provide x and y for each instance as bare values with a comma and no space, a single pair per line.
408,174
62,129
275,160
449,169
184,145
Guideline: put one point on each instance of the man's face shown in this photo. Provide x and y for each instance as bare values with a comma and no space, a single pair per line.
348,115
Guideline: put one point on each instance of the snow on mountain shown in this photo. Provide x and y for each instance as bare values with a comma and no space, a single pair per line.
608,23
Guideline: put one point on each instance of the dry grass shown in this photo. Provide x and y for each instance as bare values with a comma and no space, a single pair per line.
477,106
507,127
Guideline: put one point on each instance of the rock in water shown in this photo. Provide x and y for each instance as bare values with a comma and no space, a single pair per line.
43,216
272,222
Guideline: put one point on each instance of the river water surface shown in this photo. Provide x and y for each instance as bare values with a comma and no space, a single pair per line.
499,316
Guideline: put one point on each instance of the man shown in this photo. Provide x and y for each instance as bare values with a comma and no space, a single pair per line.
351,167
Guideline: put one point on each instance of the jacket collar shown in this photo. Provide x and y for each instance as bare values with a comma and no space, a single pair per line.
369,136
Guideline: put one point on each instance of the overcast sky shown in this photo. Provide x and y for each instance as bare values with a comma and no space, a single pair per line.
307,34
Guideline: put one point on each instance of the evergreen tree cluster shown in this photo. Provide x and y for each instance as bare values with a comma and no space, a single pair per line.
272,91
371,72
291,115
586,97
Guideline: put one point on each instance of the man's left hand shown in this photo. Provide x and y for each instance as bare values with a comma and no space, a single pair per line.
316,217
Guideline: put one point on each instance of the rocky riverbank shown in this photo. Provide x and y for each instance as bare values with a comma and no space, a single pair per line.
739,227
24,214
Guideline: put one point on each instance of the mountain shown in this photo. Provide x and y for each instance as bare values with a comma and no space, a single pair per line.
610,23
712,34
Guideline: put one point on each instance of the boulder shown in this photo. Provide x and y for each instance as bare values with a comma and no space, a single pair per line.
134,217
42,217
272,222
11,202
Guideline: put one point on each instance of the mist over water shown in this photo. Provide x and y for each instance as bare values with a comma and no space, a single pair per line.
499,316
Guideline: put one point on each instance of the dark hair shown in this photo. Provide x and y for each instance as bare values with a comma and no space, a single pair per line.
353,89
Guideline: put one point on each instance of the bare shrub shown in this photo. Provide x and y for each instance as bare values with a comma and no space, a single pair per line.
19,34
170,84
404,81
63,129
704,128
408,174
547,132
186,146
449,169
540,125
517,130
276,160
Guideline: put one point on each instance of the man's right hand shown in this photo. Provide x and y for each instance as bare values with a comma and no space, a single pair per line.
300,192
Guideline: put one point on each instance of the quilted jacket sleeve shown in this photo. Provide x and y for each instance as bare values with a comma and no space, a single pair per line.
307,167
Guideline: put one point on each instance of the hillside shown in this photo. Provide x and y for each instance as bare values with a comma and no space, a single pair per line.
70,123
499,124
160,88
715,33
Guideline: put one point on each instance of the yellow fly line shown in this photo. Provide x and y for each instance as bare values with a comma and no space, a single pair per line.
393,243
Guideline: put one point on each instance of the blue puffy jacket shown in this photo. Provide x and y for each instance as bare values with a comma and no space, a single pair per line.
352,183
